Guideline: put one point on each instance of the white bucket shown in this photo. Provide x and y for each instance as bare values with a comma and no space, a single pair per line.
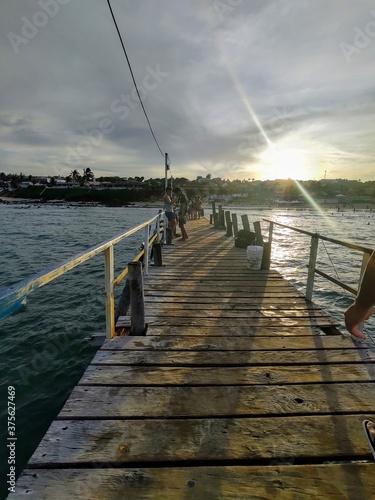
254,257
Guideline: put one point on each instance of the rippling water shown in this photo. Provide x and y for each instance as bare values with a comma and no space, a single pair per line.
44,350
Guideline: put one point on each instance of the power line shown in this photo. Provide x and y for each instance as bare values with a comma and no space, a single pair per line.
131,72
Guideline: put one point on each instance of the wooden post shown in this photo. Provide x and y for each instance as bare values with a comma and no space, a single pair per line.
228,223
211,218
221,217
214,213
158,227
147,237
258,233
235,225
270,233
245,222
156,249
124,302
109,293
266,259
311,266
137,304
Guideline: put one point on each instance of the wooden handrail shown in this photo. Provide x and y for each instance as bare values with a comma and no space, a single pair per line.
315,237
11,298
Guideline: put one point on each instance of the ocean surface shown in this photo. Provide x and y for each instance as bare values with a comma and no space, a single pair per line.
44,348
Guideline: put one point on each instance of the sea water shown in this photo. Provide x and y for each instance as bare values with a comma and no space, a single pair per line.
44,348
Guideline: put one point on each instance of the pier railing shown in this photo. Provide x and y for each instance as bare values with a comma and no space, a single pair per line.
312,269
228,221
13,297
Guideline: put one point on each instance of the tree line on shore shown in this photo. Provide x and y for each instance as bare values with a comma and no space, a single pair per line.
118,190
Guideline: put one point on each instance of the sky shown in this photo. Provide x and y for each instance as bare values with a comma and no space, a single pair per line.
239,89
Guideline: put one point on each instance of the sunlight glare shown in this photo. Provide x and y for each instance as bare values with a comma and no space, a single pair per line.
284,163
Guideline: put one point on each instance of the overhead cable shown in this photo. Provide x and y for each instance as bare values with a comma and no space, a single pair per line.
131,72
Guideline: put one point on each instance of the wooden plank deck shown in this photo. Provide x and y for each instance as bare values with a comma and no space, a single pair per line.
236,392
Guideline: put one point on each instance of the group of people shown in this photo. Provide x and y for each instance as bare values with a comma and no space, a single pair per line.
195,209
361,310
175,204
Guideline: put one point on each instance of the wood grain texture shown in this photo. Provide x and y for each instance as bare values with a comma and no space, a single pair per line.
145,375
207,401
69,442
284,482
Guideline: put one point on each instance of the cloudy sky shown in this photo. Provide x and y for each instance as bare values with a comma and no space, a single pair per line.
257,89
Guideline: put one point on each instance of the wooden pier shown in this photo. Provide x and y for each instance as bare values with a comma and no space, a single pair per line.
240,389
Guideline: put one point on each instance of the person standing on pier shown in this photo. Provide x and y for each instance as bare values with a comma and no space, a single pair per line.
168,204
182,214
361,310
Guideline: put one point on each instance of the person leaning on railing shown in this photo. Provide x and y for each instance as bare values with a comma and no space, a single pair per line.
363,306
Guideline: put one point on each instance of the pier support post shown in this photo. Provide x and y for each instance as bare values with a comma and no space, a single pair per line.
157,255
258,233
266,259
214,214
228,223
221,223
124,302
137,303
245,222
235,225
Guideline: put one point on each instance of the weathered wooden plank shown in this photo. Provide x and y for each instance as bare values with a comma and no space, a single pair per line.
210,285
224,322
249,313
172,310
231,358
251,375
219,294
226,272
168,440
206,341
302,482
229,301
174,402
239,279
248,305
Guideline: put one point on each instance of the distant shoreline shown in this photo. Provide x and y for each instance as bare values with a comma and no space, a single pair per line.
368,207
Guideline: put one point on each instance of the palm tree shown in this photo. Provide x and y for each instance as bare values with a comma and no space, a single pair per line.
74,176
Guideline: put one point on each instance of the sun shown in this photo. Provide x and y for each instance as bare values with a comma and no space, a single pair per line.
284,163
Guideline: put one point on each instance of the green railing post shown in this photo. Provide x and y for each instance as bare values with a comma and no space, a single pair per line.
311,266
109,292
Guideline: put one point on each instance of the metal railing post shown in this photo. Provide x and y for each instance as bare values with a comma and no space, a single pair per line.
311,266
109,292
145,261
